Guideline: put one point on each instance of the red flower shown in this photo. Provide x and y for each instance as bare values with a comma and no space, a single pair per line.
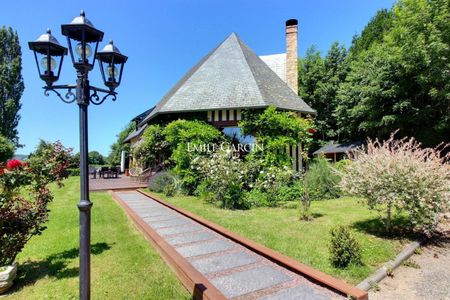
312,130
2,171
13,164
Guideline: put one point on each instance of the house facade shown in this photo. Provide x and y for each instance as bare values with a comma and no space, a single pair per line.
229,79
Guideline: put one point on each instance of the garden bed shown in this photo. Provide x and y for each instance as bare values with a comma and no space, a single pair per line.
281,230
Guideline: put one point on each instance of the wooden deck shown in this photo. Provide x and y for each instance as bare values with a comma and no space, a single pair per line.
121,183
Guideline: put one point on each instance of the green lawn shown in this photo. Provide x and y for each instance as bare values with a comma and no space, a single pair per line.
280,229
124,265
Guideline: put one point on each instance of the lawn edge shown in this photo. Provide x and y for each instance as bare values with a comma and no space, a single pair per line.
197,284
316,276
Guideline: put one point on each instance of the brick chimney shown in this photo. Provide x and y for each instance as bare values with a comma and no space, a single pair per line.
292,54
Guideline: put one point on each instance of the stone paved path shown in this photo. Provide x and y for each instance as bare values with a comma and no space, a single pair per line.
233,269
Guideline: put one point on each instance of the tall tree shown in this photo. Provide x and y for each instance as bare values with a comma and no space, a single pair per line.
319,83
11,83
373,32
402,82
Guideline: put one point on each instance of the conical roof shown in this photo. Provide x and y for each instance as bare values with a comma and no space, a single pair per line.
231,76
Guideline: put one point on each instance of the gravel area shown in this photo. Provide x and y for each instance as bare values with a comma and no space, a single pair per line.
423,276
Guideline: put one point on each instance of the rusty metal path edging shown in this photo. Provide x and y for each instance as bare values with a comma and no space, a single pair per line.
192,279
315,275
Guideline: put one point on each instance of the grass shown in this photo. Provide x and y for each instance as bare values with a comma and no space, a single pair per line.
306,241
123,266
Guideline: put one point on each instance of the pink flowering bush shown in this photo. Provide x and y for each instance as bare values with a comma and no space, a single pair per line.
399,176
24,196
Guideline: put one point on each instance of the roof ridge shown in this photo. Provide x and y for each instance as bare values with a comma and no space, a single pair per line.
180,82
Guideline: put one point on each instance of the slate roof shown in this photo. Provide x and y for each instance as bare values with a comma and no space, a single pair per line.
143,115
230,77
338,148
277,62
135,133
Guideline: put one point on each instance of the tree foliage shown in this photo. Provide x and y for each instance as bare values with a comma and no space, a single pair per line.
275,130
6,149
118,146
319,84
395,76
95,158
11,83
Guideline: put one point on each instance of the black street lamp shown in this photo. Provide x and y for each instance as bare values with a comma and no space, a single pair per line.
84,38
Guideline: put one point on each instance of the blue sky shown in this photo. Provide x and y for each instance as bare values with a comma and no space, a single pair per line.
163,39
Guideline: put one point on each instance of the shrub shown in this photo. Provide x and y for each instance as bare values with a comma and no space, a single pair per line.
320,181
342,165
74,172
401,176
22,216
290,193
272,180
162,182
256,197
344,248
6,149
224,176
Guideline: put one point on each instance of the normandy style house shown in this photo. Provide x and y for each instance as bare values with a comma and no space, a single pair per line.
229,79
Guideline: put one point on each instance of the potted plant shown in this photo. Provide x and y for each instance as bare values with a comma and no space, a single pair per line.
24,196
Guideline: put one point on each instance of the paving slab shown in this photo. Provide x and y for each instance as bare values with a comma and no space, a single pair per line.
204,248
301,292
159,218
244,282
223,262
177,230
169,223
191,238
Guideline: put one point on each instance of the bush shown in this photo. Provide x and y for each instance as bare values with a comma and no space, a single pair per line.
290,193
223,175
401,176
6,149
342,165
320,181
344,248
272,180
256,197
162,182
22,216
74,172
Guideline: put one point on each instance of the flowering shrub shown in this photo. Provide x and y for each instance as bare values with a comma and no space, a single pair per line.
224,179
22,217
272,180
401,176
